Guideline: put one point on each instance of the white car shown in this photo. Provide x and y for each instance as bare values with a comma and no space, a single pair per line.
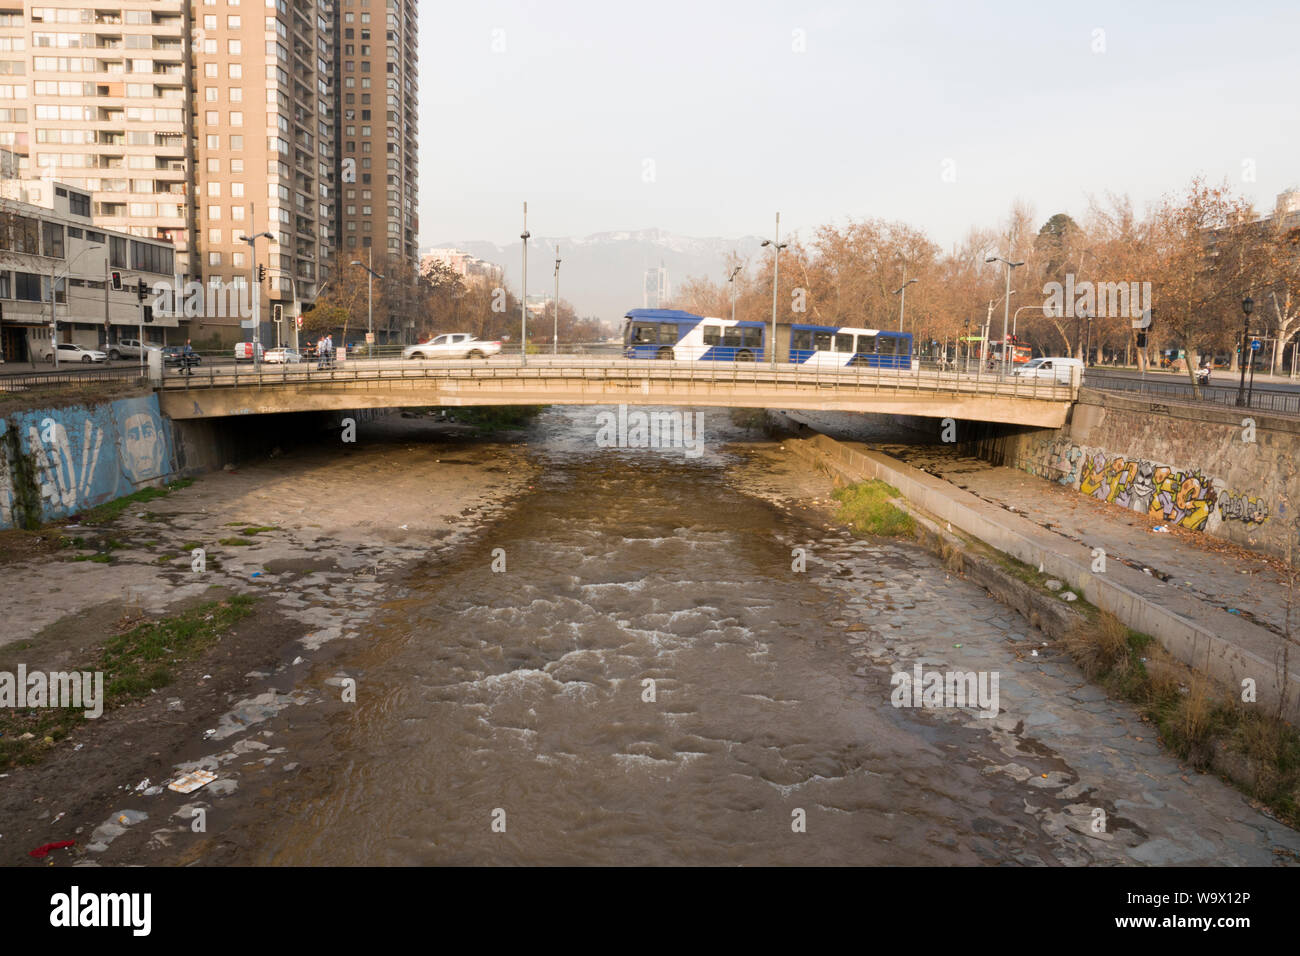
282,356
1055,367
127,348
452,345
75,353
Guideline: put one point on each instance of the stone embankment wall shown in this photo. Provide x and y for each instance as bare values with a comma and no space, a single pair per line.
1229,472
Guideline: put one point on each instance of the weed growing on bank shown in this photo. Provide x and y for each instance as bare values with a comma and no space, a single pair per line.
866,507
134,664
1199,721
111,509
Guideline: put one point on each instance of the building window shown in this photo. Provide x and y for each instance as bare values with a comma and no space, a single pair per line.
53,239
79,204
214,188
214,258
27,286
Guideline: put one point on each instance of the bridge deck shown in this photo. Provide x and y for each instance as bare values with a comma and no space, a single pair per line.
565,380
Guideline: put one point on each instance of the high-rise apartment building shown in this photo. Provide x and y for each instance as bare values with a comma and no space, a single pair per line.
264,147
209,121
376,78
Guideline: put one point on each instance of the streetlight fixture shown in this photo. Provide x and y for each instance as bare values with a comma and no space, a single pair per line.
901,292
731,279
371,276
1006,305
523,296
777,245
54,308
1247,306
257,288
555,335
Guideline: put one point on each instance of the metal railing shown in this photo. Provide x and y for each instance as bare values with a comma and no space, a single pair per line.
921,378
26,381
1279,401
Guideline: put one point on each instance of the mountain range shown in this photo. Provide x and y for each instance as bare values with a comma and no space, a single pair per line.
603,274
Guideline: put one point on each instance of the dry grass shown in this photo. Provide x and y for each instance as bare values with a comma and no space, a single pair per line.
1200,721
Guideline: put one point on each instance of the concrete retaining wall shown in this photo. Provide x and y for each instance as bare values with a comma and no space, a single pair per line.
1230,650
1206,468
57,462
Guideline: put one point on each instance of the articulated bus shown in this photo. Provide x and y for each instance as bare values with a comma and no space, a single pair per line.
674,334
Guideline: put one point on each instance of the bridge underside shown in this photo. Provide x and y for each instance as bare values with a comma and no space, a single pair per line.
337,396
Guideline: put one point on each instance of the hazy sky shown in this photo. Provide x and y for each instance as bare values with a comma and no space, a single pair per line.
1007,97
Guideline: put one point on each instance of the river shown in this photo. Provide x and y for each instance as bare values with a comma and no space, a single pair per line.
646,677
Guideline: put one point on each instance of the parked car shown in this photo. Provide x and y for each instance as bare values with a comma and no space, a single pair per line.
244,351
452,345
174,355
282,356
1054,367
128,348
75,353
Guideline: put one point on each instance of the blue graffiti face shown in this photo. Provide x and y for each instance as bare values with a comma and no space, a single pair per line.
143,446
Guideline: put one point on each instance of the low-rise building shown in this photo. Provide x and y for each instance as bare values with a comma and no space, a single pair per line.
57,277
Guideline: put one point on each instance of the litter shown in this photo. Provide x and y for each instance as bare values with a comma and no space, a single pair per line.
956,645
42,851
1161,528
1233,610
189,782
256,574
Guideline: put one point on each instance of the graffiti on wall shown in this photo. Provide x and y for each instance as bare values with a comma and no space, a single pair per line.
1184,497
82,456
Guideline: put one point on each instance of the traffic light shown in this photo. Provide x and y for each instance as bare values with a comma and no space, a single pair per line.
277,312
117,281
261,273
142,291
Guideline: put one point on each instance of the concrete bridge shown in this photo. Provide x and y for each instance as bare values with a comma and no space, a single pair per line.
574,380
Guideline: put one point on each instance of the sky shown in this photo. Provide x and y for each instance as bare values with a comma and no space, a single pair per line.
705,118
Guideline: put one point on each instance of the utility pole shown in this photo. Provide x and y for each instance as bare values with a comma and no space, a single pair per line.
555,334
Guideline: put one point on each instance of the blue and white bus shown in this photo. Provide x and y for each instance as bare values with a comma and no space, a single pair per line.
840,346
674,334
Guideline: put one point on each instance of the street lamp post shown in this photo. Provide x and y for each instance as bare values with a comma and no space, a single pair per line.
731,279
523,296
901,292
1247,306
257,288
54,307
555,334
371,275
777,246
1006,305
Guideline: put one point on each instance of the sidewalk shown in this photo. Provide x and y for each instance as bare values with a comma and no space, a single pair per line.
1222,576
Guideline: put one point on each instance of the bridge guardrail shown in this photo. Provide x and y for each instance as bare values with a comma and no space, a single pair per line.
1269,400
929,379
